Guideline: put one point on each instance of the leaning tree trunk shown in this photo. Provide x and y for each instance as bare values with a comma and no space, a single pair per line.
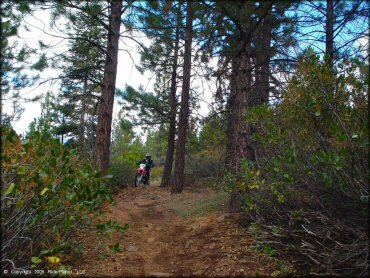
167,171
108,88
184,109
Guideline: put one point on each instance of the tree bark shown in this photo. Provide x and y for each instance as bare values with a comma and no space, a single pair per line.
108,88
167,171
329,31
238,131
82,119
236,116
234,151
262,68
184,110
264,56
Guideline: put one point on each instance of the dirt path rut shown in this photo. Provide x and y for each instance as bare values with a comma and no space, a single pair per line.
202,242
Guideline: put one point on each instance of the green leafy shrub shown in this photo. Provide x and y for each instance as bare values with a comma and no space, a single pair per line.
156,173
206,152
313,160
127,150
123,167
47,193
204,164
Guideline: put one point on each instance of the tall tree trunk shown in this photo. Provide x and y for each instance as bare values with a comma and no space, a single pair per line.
329,31
167,171
184,110
238,131
238,146
108,88
262,68
236,124
264,57
82,119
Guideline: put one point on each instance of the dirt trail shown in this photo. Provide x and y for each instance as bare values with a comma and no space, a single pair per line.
159,242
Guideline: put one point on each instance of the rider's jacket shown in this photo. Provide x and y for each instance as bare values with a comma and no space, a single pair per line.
149,162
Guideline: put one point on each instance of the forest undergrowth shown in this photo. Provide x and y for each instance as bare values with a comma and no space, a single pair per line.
255,114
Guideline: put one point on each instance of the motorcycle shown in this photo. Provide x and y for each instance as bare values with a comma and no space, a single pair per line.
141,175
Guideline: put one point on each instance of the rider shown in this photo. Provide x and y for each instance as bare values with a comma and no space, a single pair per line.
148,162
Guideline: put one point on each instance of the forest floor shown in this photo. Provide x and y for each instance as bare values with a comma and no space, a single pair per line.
188,234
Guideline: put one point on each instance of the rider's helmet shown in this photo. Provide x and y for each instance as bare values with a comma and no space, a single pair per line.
148,155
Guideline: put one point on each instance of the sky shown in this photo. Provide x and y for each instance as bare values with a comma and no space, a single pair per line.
126,70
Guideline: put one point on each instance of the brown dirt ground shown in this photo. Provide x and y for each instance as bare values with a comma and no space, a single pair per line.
208,244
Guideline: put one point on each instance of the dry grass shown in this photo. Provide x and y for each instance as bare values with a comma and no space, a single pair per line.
197,204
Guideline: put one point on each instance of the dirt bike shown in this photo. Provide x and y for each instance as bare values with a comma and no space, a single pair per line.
141,176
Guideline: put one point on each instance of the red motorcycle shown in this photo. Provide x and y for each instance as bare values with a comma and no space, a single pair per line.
141,175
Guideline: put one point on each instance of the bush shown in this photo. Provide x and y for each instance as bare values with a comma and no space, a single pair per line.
47,193
309,185
123,166
205,159
156,173
203,165
126,151
123,173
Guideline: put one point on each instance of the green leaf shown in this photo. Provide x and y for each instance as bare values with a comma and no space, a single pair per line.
22,170
44,252
36,260
53,162
44,191
41,64
24,7
10,189
114,248
102,256
280,198
123,229
53,259
253,186
63,269
317,114
354,136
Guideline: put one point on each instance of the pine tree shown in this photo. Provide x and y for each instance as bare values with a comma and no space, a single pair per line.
166,177
111,19
82,68
103,136
242,33
333,27
15,59
184,108
162,23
